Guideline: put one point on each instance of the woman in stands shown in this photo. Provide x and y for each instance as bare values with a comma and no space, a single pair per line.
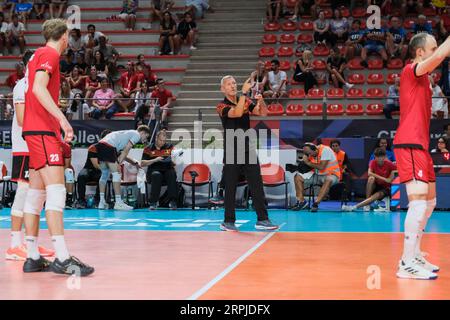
384,144
100,64
77,81
258,79
66,99
304,71
442,146
339,28
168,31
322,30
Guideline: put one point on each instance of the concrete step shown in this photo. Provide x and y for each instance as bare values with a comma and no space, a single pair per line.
251,44
194,82
123,37
207,39
209,86
100,24
216,74
223,57
202,64
210,94
199,102
230,52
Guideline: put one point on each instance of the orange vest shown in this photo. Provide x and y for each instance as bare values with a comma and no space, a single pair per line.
332,166
340,156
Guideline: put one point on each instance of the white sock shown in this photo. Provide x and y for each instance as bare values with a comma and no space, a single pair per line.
32,247
60,247
102,197
16,238
118,198
431,204
414,219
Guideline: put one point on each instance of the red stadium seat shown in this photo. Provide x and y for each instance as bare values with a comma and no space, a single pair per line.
354,93
268,65
328,13
305,38
359,13
356,78
375,109
272,26
433,23
269,39
355,109
345,12
391,78
285,65
375,93
409,23
289,26
291,3
314,109
267,52
429,12
321,50
316,93
395,64
319,65
287,38
355,64
275,109
294,110
335,109
375,78
273,176
335,93
306,26
285,51
296,93
375,64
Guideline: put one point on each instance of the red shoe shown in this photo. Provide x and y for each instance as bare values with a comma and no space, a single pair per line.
44,252
16,254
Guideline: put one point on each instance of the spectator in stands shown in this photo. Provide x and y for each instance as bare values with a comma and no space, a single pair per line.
186,32
326,172
3,30
396,39
39,8
305,7
104,103
339,28
258,79
442,146
422,25
165,100
274,8
150,76
384,144
355,41
90,40
128,14
66,99
381,174
157,158
197,8
23,10
9,4
81,64
444,24
446,133
130,83
77,81
439,105
143,102
100,64
304,71
57,8
375,42
66,64
168,31
110,54
15,76
322,30
393,101
157,7
15,35
336,64
75,42
92,84
277,82
412,7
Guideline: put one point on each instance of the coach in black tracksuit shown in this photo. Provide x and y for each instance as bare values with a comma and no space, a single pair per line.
234,111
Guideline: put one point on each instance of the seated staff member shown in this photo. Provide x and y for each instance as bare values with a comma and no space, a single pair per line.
118,142
326,170
160,169
90,173
69,175
381,174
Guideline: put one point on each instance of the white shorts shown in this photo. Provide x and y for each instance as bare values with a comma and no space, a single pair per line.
123,16
320,179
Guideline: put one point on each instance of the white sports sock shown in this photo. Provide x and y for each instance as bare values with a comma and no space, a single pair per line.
413,222
60,247
16,238
118,198
102,197
32,247
431,204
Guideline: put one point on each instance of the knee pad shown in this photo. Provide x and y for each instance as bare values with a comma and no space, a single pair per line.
431,204
116,177
104,177
69,175
34,201
19,200
56,197
415,216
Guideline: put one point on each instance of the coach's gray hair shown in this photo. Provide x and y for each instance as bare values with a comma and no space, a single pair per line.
222,81
418,41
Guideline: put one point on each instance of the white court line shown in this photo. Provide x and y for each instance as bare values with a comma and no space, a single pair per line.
230,268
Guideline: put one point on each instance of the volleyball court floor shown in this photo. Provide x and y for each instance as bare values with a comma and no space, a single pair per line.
182,254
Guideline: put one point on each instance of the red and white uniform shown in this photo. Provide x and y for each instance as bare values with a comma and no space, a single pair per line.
41,130
412,139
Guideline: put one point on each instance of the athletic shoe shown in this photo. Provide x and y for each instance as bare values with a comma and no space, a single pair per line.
315,207
414,271
44,252
228,226
152,206
349,85
102,205
17,254
266,225
71,266
120,205
421,261
39,265
380,209
193,48
218,200
293,18
300,205
348,208
173,205
147,27
366,208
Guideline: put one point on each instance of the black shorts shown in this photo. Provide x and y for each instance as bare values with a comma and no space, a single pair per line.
106,153
383,189
20,168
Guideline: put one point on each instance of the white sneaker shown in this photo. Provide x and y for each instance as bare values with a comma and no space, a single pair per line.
349,85
367,208
120,205
102,205
380,209
293,18
193,48
414,271
348,208
421,261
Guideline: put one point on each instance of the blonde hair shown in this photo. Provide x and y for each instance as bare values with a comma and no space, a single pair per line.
307,55
54,29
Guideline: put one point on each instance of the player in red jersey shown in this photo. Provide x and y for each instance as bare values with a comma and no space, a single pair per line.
43,121
414,163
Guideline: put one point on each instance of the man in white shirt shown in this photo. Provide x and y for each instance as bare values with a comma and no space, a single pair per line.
112,150
15,35
3,29
277,82
90,40
439,106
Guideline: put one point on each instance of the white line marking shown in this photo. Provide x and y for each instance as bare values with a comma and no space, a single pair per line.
230,268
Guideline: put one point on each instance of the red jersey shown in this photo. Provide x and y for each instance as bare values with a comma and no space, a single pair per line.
383,171
162,96
37,120
415,110
12,79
